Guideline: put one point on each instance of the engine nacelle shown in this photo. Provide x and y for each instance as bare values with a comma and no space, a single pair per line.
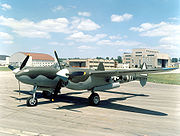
126,78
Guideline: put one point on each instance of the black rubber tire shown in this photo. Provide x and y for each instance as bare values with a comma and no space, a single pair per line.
31,103
94,99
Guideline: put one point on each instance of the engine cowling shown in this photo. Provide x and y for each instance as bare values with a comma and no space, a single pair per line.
107,87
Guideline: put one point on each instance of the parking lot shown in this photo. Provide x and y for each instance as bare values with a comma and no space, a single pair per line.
130,110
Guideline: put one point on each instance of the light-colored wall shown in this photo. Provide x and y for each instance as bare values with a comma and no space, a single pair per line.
93,63
17,58
42,63
7,61
123,66
4,62
149,56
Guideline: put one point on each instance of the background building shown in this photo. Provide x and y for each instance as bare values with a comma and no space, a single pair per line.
4,60
123,66
127,58
35,59
151,57
91,63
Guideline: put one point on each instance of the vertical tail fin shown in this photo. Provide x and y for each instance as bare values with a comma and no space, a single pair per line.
144,66
100,67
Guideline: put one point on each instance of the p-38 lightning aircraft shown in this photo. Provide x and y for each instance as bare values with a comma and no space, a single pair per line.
50,80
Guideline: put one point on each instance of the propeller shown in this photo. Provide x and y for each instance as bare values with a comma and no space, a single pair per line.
21,67
58,60
24,62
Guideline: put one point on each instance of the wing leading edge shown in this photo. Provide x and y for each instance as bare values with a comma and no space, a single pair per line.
110,73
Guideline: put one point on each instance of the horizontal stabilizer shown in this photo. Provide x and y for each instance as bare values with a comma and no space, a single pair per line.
11,67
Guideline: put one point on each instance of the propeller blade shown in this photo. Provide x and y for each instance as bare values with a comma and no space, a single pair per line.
57,60
24,62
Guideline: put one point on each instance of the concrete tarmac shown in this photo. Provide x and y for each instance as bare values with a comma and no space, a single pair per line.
131,110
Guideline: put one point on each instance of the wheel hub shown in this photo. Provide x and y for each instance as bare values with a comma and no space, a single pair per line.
96,99
32,101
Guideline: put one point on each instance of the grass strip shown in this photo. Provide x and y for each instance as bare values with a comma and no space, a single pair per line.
4,69
170,78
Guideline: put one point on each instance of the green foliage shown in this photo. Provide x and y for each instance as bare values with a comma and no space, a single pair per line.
174,59
171,78
119,59
107,58
112,58
99,58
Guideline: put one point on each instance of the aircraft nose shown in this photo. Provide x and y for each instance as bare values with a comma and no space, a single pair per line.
21,73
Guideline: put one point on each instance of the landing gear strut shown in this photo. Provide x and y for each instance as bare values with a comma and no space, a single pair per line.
94,98
57,90
32,101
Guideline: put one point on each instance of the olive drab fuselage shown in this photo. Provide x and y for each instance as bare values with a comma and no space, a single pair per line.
48,77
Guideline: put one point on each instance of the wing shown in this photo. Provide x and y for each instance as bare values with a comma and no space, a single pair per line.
110,73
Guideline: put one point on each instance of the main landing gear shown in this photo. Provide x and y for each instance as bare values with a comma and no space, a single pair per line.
32,101
94,98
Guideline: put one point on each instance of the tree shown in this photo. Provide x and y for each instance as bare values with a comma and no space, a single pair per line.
174,59
107,58
99,58
119,59
112,58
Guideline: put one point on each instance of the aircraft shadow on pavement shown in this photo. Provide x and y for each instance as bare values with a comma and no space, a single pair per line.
80,102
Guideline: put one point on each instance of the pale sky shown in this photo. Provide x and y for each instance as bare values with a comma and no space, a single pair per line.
89,28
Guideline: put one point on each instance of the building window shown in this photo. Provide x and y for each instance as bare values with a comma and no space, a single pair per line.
127,55
150,55
138,52
138,55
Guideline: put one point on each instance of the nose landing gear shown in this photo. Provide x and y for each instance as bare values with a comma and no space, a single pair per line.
32,101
